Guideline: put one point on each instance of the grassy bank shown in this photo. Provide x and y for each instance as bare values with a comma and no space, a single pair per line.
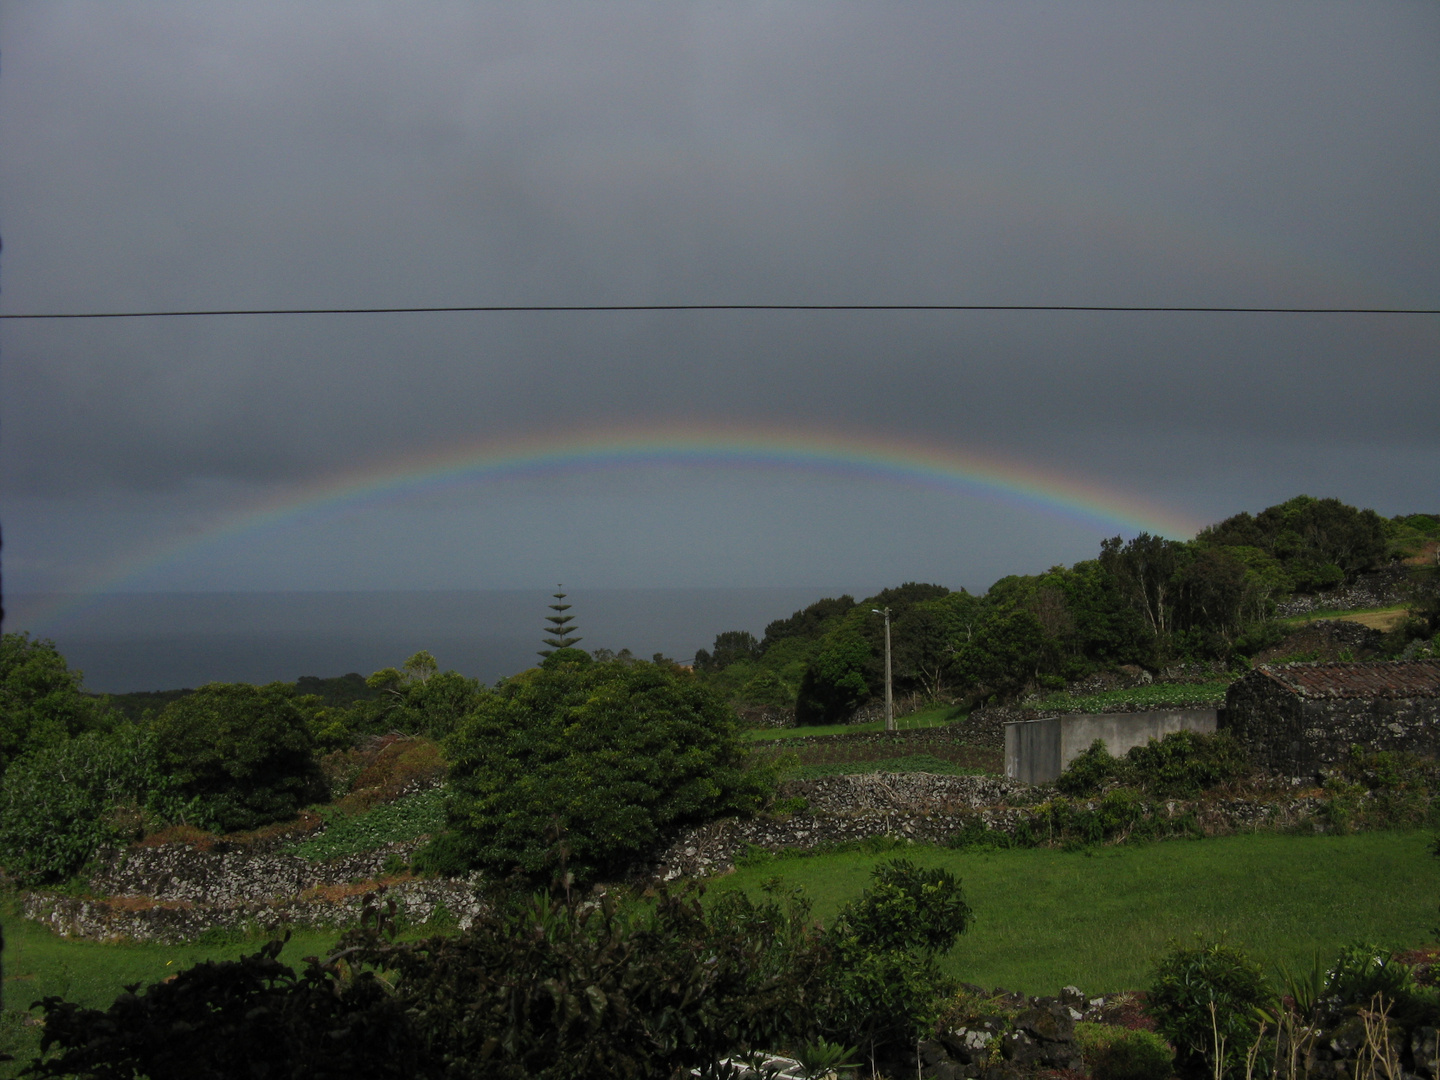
1377,617
1098,920
926,718
1153,696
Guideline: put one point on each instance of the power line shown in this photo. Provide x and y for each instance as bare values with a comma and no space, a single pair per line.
541,308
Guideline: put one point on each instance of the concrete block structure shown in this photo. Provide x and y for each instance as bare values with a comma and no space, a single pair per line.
1037,751
1295,719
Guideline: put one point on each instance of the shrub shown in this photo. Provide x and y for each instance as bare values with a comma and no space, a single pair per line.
540,987
544,987
907,909
1117,1053
1184,763
243,754
590,764
63,801
1092,768
41,700
1206,993
885,943
1362,971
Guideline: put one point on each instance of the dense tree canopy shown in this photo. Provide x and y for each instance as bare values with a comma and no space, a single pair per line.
589,762
242,755
41,699
1319,542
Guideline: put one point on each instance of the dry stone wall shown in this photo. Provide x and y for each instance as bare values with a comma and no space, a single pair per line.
928,808
1378,589
174,892
174,921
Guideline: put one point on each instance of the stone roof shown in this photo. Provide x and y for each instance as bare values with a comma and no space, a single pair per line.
1376,679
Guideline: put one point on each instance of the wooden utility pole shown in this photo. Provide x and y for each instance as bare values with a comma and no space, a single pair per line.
889,695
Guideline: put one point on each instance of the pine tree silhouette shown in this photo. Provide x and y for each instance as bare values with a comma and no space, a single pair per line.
559,627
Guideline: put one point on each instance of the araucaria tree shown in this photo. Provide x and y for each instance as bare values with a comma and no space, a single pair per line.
590,764
560,631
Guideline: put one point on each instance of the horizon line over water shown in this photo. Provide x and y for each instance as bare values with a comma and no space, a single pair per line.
162,641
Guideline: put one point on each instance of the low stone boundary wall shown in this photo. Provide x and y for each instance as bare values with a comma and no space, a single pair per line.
1380,588
173,893
179,872
176,921
925,808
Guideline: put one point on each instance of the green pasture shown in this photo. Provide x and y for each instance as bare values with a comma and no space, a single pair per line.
1098,919
1336,613
925,718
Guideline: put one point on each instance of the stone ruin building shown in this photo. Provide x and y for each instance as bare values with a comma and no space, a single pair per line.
1295,719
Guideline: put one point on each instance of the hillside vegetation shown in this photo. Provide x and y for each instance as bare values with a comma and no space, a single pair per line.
1203,608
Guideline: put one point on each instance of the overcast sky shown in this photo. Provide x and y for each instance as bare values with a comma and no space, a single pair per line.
300,154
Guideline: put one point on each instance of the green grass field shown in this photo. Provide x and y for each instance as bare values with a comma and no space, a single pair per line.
926,718
1045,919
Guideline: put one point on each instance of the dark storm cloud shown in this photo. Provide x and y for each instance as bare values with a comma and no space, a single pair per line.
198,155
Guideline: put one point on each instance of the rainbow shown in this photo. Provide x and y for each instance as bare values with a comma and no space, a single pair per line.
762,449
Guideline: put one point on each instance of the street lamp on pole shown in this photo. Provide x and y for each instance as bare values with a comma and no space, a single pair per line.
889,696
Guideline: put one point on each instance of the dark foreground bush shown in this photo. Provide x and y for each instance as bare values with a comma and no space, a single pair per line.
542,988
252,1017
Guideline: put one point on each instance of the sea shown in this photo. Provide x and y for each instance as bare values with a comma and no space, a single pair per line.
162,641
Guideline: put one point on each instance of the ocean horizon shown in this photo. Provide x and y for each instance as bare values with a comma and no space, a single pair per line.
124,642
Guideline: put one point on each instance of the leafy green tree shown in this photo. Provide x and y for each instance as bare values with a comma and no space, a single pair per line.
925,635
244,754
731,647
1144,571
835,682
589,762
1008,653
1320,542
41,699
417,700
66,799
810,623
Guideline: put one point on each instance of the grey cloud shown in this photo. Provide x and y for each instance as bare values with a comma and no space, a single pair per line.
197,155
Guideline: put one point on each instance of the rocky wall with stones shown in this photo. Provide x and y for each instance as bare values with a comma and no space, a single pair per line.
140,918
1380,588
930,809
174,892
1297,737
